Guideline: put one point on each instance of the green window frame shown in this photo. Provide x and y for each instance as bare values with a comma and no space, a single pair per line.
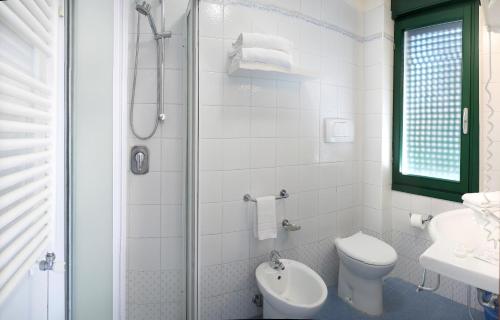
449,189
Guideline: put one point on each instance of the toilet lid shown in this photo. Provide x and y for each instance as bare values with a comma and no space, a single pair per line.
367,249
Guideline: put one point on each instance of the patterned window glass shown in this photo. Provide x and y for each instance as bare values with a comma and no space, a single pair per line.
432,102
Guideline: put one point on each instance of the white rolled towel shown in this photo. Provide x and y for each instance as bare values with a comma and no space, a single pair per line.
264,56
264,41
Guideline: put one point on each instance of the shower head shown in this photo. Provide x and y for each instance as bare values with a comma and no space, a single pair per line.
143,8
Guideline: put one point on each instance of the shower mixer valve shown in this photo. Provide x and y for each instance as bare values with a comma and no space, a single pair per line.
139,160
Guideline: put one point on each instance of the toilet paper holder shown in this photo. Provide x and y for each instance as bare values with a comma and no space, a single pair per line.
425,219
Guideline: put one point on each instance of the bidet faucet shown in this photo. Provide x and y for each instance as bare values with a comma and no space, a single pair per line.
275,262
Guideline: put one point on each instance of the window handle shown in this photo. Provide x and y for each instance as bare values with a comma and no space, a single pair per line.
465,121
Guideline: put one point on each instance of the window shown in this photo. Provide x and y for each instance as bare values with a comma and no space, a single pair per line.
436,102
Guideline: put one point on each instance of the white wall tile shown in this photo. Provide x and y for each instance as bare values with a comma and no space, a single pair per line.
173,256
308,151
210,186
310,94
210,218
174,52
236,20
263,182
144,120
144,189
328,201
287,208
287,123
235,216
288,178
144,253
287,152
263,93
210,250
210,154
174,125
288,94
237,91
327,225
172,187
308,204
345,197
262,153
329,175
212,57
236,154
174,89
235,246
172,154
263,122
172,221
143,221
211,88
235,184
236,122
309,177
211,19
309,123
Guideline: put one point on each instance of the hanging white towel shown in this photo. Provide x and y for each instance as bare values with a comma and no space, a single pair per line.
265,41
265,222
264,56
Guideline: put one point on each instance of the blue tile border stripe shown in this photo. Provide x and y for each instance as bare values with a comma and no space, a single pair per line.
298,15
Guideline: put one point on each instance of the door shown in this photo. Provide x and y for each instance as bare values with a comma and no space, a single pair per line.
32,161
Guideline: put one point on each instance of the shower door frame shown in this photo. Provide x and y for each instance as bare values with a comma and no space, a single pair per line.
121,165
192,173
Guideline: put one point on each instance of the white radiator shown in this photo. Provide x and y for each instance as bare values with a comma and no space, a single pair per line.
28,49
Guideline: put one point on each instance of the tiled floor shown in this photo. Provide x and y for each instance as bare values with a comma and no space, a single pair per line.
401,302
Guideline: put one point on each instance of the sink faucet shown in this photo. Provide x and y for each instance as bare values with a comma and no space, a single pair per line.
275,262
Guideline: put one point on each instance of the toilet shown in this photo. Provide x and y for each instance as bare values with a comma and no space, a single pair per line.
364,261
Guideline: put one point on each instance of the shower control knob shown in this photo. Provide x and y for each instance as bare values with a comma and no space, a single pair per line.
162,117
139,159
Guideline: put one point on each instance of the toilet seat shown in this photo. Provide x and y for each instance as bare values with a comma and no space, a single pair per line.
367,249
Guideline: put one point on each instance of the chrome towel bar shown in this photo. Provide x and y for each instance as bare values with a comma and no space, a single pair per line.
283,195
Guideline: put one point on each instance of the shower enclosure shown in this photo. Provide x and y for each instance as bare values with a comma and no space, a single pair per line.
158,264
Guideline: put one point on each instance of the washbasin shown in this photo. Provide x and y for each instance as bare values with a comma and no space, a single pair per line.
461,251
294,292
457,228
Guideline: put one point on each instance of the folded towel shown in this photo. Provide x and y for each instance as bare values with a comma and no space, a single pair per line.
483,199
265,41
483,202
265,222
264,56
484,211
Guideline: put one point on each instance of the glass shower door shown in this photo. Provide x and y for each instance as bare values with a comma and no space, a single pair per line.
156,208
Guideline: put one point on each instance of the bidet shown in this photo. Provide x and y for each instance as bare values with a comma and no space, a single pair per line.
294,292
